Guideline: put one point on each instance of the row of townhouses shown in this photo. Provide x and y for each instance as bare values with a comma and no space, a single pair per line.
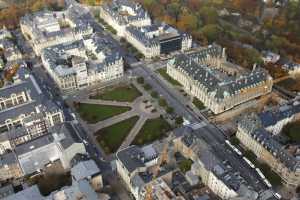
25,112
136,167
209,77
254,135
133,23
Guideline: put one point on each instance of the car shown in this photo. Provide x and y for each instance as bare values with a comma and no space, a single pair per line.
85,142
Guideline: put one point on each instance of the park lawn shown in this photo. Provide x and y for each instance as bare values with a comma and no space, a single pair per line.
198,103
165,75
152,130
110,138
93,113
292,131
121,93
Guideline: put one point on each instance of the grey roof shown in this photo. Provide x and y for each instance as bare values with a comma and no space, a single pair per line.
271,117
31,193
6,190
84,169
207,77
265,138
152,35
34,144
132,158
8,159
29,84
210,160
74,13
115,8
57,56
70,135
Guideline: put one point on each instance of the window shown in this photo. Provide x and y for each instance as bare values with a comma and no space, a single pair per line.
56,118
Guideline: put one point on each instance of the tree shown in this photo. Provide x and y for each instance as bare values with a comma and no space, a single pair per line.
187,22
154,94
170,110
140,80
209,14
179,120
162,102
212,32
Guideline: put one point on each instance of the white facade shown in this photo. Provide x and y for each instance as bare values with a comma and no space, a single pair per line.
120,14
45,29
83,71
199,75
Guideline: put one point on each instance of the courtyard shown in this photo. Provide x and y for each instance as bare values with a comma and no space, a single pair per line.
120,116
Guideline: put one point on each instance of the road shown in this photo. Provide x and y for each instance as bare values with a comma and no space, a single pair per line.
210,133
214,136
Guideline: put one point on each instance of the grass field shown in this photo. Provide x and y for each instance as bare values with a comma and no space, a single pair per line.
110,138
122,94
198,104
93,113
163,73
185,165
152,130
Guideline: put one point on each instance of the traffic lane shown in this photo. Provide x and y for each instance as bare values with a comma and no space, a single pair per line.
178,106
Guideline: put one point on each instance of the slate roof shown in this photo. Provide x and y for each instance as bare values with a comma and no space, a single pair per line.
207,77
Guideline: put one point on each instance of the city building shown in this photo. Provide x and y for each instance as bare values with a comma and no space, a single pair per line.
256,138
274,119
87,170
46,28
270,57
121,13
157,39
219,173
30,193
9,167
61,145
10,50
83,63
25,112
132,166
84,175
209,77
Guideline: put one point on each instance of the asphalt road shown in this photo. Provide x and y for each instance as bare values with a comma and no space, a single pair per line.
212,134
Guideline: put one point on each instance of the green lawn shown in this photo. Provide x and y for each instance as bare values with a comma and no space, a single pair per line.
292,131
93,113
152,130
185,165
198,104
121,93
110,138
163,73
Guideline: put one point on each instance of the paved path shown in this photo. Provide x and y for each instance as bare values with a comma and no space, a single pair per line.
113,120
133,133
108,103
137,110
